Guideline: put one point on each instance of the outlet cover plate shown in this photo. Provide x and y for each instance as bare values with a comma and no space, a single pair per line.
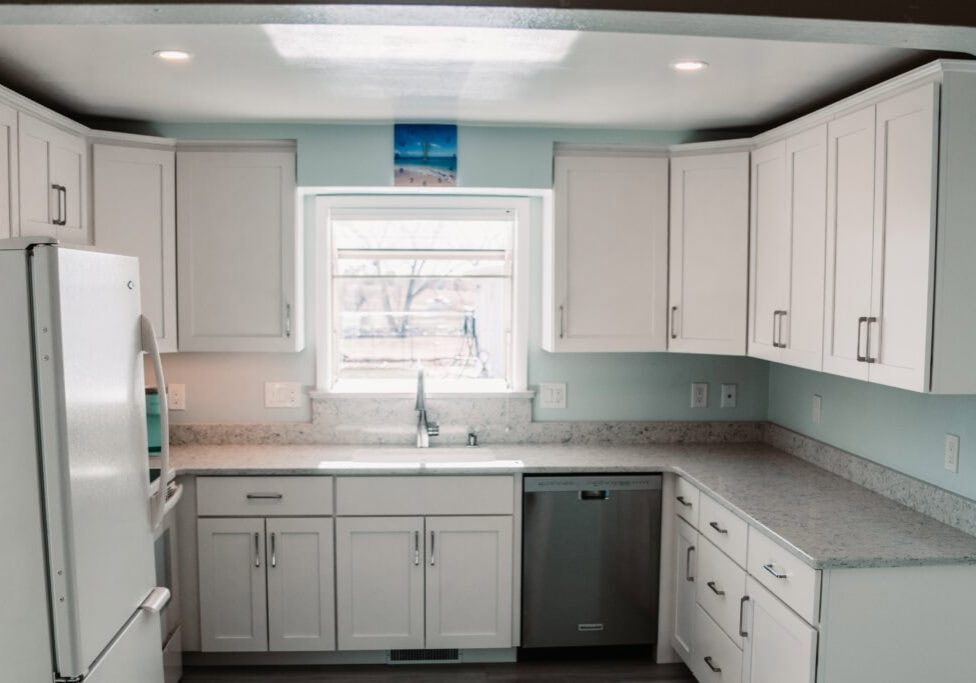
729,395
552,396
699,394
952,453
176,396
282,394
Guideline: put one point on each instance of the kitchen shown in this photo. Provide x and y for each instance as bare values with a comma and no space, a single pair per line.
692,322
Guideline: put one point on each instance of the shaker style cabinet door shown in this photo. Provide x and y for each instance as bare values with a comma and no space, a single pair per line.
53,169
469,578
8,172
709,253
779,645
301,588
238,256
685,549
380,582
134,197
605,256
233,601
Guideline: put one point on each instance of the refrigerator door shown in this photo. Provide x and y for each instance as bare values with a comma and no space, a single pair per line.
133,656
91,409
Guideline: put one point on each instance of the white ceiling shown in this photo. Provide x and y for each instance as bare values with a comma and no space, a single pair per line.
312,73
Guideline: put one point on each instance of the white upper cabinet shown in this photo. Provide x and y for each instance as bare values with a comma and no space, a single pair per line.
134,207
8,172
789,189
709,253
53,169
605,286
238,252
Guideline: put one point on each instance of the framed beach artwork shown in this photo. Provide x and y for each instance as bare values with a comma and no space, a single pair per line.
424,155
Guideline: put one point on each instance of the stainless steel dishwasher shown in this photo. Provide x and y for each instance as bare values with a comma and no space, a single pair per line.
590,560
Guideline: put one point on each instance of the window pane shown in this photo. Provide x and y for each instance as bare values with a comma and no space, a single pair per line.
421,234
487,264
455,327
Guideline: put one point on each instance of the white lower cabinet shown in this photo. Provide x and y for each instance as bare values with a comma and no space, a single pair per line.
683,636
778,646
717,659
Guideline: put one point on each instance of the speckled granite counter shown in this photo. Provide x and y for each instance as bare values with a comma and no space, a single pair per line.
825,520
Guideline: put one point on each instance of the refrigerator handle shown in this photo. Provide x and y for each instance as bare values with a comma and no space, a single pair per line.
159,505
157,599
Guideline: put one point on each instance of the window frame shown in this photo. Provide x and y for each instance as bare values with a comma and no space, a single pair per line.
517,369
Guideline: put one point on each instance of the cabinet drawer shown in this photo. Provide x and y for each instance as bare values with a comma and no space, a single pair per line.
686,497
728,532
715,651
787,577
425,495
263,496
721,584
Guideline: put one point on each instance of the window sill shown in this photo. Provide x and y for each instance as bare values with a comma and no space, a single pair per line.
434,393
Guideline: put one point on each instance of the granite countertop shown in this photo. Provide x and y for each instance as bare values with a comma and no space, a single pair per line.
825,520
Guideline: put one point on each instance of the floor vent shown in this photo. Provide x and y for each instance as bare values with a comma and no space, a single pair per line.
424,656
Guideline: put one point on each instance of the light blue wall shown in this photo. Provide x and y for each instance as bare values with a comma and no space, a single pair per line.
228,387
902,430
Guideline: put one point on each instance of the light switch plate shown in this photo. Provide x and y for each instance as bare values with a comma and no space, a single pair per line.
952,453
729,392
176,396
552,396
282,394
817,410
699,394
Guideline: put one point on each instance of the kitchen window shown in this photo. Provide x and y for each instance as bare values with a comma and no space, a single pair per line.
432,282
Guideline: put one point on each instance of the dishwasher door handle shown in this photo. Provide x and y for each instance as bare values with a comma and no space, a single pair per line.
594,495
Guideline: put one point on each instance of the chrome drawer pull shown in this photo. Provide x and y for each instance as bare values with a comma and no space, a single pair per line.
711,584
688,576
416,548
257,549
708,660
717,528
265,496
681,499
769,568
274,555
432,560
742,608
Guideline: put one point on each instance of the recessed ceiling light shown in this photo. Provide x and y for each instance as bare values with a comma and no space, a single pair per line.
689,65
172,55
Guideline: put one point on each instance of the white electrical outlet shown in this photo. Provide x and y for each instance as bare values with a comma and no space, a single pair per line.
952,453
552,396
817,412
699,395
176,396
729,395
282,394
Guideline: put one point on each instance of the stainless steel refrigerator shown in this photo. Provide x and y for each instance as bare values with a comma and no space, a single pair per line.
77,576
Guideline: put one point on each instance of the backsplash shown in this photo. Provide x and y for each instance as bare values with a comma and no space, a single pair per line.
371,420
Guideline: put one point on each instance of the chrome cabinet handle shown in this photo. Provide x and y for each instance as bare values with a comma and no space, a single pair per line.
64,212
742,609
265,496
708,660
288,320
717,528
416,548
688,576
681,499
775,342
867,341
432,561
718,592
562,316
274,558
257,549
769,568
778,329
860,321
674,332
62,193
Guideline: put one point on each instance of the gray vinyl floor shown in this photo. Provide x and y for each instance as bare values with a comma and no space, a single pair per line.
631,671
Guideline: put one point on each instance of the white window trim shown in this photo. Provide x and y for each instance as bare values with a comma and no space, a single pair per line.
518,372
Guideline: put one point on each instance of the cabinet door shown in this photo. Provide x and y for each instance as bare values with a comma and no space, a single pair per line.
237,251
770,246
779,645
606,260
683,638
469,582
380,582
233,616
301,585
904,239
806,178
53,188
850,229
135,214
8,172
709,253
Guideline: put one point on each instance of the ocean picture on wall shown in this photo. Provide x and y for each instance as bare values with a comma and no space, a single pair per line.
424,155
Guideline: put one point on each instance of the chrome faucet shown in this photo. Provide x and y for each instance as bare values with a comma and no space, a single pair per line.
425,428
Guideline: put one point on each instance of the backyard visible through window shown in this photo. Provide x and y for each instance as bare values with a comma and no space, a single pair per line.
430,288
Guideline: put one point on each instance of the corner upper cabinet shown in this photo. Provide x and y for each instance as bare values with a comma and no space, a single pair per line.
134,211
8,172
709,253
605,253
53,187
238,249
